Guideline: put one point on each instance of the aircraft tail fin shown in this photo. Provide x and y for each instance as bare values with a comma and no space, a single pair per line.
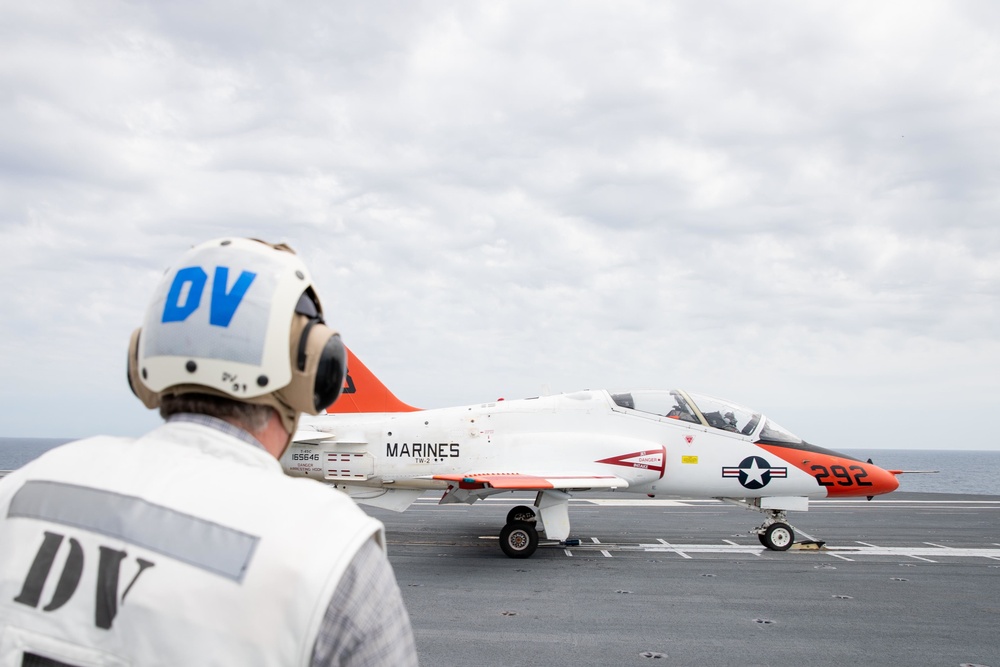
363,392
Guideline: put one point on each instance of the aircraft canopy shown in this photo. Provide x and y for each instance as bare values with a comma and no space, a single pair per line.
700,409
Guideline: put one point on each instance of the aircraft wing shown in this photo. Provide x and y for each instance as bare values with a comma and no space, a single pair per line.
530,482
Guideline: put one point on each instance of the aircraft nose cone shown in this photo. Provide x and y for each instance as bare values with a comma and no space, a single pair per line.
883,481
858,479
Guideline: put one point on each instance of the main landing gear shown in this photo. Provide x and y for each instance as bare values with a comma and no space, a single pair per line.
519,537
550,515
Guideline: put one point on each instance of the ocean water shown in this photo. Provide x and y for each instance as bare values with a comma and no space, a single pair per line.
15,452
959,471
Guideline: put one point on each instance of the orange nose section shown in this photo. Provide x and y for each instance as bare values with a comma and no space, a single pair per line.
840,476
850,478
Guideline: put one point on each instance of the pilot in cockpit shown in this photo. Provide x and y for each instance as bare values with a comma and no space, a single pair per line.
681,412
726,422
730,420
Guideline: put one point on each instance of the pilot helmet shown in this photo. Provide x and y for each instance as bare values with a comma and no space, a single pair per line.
238,318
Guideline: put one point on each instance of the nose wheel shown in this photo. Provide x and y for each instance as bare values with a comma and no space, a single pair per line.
777,537
775,533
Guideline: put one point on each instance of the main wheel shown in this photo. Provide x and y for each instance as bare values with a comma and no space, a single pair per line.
521,513
519,539
778,537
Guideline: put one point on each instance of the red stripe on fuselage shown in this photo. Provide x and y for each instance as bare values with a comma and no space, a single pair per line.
653,459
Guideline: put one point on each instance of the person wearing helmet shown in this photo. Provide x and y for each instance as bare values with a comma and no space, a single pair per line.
189,545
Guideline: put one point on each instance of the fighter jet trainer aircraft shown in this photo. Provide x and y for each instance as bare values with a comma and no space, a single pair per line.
386,453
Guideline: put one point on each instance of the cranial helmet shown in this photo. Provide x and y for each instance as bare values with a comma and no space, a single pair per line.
238,318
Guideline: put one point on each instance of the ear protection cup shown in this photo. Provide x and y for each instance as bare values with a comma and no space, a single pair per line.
149,398
330,374
331,369
319,361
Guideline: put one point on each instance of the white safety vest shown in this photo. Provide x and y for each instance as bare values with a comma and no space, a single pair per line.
184,547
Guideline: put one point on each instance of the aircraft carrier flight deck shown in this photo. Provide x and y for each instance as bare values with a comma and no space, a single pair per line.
909,579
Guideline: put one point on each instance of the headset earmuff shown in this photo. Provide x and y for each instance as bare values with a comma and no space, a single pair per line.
135,383
331,369
331,373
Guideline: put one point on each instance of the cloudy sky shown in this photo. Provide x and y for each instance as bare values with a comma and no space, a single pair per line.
792,205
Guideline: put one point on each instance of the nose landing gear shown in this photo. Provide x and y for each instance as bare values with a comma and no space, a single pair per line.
777,537
775,533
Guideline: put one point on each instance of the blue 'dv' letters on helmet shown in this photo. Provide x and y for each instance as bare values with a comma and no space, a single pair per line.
223,304
194,276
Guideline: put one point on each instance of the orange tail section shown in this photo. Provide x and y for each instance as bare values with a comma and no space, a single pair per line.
363,392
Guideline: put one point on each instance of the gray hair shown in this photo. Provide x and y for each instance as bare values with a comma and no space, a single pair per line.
250,417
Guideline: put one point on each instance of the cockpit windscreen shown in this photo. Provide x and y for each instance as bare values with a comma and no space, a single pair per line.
701,409
726,416
658,402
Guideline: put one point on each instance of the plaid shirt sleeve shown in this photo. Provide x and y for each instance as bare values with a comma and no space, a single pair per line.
366,624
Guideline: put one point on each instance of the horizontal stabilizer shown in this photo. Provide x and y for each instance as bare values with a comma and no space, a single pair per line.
312,438
913,472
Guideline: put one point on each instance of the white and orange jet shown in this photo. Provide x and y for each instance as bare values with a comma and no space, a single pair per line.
386,453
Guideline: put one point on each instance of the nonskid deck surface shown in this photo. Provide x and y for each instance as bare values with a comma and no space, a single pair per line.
911,579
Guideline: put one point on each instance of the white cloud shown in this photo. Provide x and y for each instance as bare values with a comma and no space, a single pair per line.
790,205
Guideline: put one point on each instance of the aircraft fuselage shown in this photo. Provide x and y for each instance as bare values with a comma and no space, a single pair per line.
584,436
